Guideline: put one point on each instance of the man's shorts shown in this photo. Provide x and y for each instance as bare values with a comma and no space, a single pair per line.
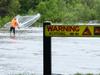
12,29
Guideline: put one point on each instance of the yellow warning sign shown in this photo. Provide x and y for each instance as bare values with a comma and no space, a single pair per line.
71,30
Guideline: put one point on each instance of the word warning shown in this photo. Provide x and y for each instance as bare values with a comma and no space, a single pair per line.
72,30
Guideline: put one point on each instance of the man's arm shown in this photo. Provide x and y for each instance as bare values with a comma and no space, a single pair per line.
17,25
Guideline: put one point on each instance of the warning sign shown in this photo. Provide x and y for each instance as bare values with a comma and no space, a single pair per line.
86,32
62,30
72,30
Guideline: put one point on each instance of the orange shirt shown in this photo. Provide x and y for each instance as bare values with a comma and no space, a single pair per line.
14,23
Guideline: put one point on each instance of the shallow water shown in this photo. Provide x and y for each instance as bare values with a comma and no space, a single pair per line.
76,55
24,53
21,54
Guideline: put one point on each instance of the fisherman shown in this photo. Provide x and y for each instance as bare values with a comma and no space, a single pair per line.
13,26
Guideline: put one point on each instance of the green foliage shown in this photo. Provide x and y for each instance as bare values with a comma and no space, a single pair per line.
13,7
89,74
4,20
78,74
53,10
69,11
66,11
30,12
85,74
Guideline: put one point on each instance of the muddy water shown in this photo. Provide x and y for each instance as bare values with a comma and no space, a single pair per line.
76,55
24,53
21,54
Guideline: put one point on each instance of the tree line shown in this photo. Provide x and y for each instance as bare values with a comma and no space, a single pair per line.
62,11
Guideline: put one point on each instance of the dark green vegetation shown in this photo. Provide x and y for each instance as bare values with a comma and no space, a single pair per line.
63,11
86,74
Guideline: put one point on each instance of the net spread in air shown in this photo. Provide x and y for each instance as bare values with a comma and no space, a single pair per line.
25,21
